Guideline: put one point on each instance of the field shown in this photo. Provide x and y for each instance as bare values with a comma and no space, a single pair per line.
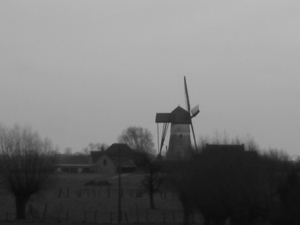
70,200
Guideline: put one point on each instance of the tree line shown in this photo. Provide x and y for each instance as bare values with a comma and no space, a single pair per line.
224,180
137,138
243,186
27,162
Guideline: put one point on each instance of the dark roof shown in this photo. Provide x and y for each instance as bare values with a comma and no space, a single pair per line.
225,152
163,118
113,152
225,148
177,116
75,165
181,116
95,155
72,159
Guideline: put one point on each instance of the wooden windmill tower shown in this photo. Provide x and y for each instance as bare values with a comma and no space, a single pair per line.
180,138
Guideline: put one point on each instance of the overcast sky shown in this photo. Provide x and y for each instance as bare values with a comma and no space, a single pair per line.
83,71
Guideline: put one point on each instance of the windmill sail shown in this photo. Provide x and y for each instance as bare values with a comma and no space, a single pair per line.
195,111
187,99
163,137
164,118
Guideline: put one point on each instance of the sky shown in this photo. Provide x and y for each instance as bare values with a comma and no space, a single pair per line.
81,72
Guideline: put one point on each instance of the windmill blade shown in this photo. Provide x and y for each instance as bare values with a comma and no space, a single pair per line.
194,136
163,137
187,96
195,111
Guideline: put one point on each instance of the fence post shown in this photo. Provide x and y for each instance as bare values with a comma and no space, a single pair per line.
126,218
84,216
147,216
111,217
193,218
45,211
37,214
59,193
30,212
79,194
95,216
58,216
137,213
174,217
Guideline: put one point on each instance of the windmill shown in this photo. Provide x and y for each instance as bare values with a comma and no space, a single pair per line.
181,121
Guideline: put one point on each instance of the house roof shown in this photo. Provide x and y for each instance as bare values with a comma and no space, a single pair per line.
225,148
113,152
72,159
75,165
181,116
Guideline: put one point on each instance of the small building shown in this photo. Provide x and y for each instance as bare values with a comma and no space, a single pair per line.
75,168
74,164
226,148
229,149
108,161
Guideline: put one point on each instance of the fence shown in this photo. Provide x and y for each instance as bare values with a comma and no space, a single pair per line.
99,205
105,192
140,216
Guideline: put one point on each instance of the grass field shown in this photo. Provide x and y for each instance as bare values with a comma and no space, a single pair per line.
71,201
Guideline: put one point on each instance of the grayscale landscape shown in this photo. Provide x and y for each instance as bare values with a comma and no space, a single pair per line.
150,112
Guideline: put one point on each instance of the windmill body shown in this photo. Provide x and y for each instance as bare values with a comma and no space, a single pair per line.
180,142
180,138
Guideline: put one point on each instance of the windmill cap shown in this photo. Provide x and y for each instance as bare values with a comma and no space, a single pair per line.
177,116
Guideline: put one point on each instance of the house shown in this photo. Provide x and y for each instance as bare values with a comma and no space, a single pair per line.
108,161
73,164
229,149
225,148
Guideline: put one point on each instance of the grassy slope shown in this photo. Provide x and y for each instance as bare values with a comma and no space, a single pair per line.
79,202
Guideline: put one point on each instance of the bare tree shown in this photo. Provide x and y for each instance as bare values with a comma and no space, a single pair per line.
68,151
153,180
27,163
138,138
94,147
